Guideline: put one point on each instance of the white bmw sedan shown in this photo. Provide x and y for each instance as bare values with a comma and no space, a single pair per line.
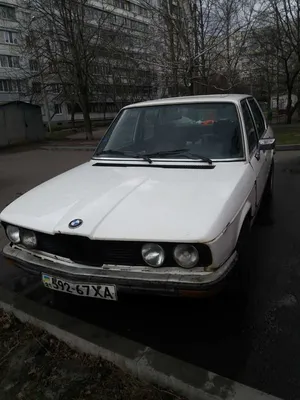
161,207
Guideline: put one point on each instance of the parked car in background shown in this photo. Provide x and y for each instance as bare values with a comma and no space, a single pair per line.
160,208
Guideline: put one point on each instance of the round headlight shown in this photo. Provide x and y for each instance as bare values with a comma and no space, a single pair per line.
28,239
153,254
13,234
186,255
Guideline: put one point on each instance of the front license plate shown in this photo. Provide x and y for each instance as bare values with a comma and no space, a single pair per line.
105,292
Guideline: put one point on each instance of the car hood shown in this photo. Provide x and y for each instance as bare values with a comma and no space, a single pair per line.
139,203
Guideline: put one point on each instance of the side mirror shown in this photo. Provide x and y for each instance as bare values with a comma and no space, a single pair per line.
266,144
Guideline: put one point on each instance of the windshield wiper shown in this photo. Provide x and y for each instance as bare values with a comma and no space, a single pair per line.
127,154
196,157
181,153
147,157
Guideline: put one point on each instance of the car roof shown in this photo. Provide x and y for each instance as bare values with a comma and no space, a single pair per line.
235,98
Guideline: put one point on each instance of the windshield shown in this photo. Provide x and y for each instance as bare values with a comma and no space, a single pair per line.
210,130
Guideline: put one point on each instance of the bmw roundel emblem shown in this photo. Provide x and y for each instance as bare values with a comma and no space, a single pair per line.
75,223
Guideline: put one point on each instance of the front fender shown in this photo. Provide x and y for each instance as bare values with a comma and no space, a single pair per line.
246,211
224,245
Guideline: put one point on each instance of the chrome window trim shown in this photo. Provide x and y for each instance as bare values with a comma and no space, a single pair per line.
236,105
255,149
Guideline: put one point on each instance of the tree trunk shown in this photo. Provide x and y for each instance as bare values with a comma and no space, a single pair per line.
192,82
289,108
298,98
86,116
291,112
191,88
104,110
170,27
269,100
73,116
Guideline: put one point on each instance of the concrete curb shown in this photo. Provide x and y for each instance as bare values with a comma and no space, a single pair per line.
287,147
147,364
68,148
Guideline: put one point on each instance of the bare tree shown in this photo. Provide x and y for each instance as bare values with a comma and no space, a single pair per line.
236,19
200,42
265,74
164,45
66,37
287,23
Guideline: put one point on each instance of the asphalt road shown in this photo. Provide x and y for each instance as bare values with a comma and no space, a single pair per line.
21,169
256,343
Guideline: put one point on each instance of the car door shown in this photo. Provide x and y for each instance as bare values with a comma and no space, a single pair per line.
256,161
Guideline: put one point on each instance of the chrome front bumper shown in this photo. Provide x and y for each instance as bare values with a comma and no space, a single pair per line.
126,278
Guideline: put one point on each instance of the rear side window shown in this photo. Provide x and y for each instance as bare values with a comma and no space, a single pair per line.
258,117
250,128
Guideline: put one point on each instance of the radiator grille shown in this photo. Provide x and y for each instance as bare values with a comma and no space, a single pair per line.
98,252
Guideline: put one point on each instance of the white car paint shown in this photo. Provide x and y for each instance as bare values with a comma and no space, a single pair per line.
234,98
147,204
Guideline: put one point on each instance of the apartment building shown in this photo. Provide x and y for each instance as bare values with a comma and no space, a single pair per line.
131,15
10,71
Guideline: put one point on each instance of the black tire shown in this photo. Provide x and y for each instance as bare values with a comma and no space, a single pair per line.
268,195
239,279
265,213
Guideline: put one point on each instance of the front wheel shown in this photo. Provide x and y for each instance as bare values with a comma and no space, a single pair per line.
265,216
270,184
239,279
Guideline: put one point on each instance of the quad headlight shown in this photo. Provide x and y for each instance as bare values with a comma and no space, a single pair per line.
153,254
13,234
28,239
186,255
21,236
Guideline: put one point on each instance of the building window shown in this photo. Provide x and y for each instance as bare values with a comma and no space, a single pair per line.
11,37
111,107
25,16
65,46
33,65
51,68
138,26
144,12
9,61
95,107
127,22
3,61
36,87
14,62
7,12
55,88
15,86
42,109
5,85
126,5
9,85
8,37
76,108
57,109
